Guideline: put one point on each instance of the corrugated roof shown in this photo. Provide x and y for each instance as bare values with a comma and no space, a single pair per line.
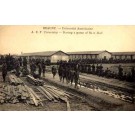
123,53
87,52
46,53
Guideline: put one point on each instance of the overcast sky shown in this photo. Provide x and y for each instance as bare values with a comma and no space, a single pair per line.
17,39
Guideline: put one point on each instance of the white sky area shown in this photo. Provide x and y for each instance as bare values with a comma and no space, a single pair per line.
16,39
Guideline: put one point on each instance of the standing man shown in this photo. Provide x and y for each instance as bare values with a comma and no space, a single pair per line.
76,78
120,73
60,69
54,71
93,69
4,71
39,69
43,68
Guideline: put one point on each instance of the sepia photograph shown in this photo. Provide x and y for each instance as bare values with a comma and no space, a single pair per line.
67,67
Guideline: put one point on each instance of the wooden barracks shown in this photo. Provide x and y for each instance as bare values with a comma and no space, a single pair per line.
55,56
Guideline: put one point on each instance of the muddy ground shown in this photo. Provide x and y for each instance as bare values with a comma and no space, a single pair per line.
76,103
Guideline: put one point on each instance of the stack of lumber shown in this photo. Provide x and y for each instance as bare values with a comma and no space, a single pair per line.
19,94
14,80
35,99
54,94
34,81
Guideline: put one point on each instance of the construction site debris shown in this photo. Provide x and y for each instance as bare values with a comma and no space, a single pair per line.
19,94
14,80
34,81
54,94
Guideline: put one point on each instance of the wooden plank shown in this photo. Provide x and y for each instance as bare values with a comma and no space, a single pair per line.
37,97
53,93
42,92
32,96
51,97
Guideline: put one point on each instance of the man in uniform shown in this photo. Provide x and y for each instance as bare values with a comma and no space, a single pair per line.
60,69
72,76
89,69
93,69
76,78
43,68
39,69
100,70
97,69
120,72
54,71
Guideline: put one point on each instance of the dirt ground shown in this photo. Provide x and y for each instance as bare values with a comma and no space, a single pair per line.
48,106
76,104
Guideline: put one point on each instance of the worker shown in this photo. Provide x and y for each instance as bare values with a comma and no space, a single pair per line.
43,68
39,69
54,71
4,71
17,67
100,70
60,72
93,69
120,72
76,78
72,73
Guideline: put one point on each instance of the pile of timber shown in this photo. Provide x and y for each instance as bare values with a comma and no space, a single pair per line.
19,94
14,80
34,81
54,94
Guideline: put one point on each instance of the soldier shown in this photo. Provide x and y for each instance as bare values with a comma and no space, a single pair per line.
100,70
63,73
93,69
66,72
97,69
54,71
4,71
120,72
25,62
60,69
33,67
106,73
43,68
39,69
89,69
76,78
17,67
20,61
72,76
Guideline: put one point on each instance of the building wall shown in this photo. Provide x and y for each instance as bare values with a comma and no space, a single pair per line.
104,55
59,56
123,57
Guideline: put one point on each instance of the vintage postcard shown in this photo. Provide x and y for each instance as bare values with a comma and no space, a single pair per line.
67,68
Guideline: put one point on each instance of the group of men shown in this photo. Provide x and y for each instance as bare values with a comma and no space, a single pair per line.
68,72
100,71
37,67
9,63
